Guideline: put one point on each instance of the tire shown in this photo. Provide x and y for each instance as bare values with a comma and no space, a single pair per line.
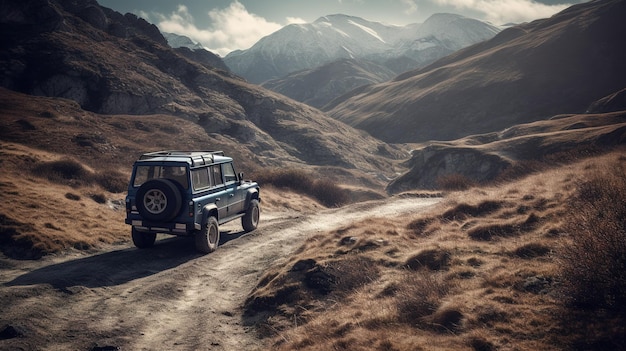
158,200
250,221
208,237
143,240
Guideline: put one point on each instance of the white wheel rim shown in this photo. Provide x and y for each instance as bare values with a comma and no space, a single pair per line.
155,201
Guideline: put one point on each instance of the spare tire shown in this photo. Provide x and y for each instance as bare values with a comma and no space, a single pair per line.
158,200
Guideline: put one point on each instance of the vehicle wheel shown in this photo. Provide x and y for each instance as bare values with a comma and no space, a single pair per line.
250,220
143,240
158,200
208,237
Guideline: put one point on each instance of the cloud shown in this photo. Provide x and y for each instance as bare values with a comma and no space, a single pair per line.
411,6
507,11
230,28
295,20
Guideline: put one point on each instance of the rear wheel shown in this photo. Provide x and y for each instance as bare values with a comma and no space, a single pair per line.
159,200
250,220
142,240
208,237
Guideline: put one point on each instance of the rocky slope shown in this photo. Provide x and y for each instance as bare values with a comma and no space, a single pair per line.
110,64
525,73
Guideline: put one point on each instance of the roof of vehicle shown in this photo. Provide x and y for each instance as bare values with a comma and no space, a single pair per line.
193,158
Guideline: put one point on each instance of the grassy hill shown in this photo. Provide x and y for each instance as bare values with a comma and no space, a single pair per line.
532,264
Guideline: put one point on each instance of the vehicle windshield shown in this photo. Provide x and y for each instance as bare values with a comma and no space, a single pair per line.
175,173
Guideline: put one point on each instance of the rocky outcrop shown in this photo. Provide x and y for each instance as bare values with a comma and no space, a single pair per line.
430,164
514,151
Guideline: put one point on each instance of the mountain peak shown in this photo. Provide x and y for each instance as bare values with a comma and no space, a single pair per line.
336,36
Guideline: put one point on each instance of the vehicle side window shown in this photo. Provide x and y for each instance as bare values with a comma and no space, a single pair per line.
217,174
229,173
200,179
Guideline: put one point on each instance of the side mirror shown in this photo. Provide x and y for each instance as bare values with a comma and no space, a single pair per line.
240,176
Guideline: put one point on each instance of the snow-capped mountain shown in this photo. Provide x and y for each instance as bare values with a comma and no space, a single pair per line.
304,46
181,41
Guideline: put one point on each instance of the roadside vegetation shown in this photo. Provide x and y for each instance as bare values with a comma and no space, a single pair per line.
52,204
536,263
325,191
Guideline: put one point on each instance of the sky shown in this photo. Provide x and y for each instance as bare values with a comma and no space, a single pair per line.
222,26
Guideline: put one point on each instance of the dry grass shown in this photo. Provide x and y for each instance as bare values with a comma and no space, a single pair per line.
483,271
52,204
594,256
325,191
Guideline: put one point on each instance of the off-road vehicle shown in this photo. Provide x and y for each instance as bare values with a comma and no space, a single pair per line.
188,193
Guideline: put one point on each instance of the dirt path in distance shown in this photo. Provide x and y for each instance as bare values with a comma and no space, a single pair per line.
164,298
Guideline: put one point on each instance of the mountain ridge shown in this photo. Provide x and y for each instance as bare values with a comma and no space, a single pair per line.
297,47
525,73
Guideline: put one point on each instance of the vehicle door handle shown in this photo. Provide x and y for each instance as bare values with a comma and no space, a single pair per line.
232,195
217,199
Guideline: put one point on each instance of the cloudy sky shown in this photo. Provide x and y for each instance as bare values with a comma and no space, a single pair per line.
226,25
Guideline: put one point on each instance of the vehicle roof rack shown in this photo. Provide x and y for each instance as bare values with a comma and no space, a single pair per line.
197,158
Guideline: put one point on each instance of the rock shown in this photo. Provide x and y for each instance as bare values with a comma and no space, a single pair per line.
10,332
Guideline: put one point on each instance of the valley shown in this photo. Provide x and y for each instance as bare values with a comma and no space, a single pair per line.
455,187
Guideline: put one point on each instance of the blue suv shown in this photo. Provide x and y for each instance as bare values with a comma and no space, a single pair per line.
188,193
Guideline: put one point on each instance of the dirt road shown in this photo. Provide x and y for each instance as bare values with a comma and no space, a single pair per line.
164,298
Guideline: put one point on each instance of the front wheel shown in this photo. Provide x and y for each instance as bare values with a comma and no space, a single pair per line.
208,237
142,240
250,221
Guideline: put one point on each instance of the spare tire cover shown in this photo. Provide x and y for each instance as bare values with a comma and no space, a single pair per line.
158,200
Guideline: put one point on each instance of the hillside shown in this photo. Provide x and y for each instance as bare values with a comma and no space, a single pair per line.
531,264
112,64
512,152
525,73
318,86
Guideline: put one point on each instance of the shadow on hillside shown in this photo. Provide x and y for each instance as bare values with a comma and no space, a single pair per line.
118,267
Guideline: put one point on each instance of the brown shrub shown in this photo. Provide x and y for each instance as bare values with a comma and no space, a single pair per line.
65,171
294,179
433,259
447,319
325,191
71,196
329,194
520,169
112,181
419,225
465,210
532,250
594,263
487,232
454,182
419,296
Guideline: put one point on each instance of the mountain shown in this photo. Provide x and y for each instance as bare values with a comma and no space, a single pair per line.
318,86
113,64
181,41
194,51
525,73
299,47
